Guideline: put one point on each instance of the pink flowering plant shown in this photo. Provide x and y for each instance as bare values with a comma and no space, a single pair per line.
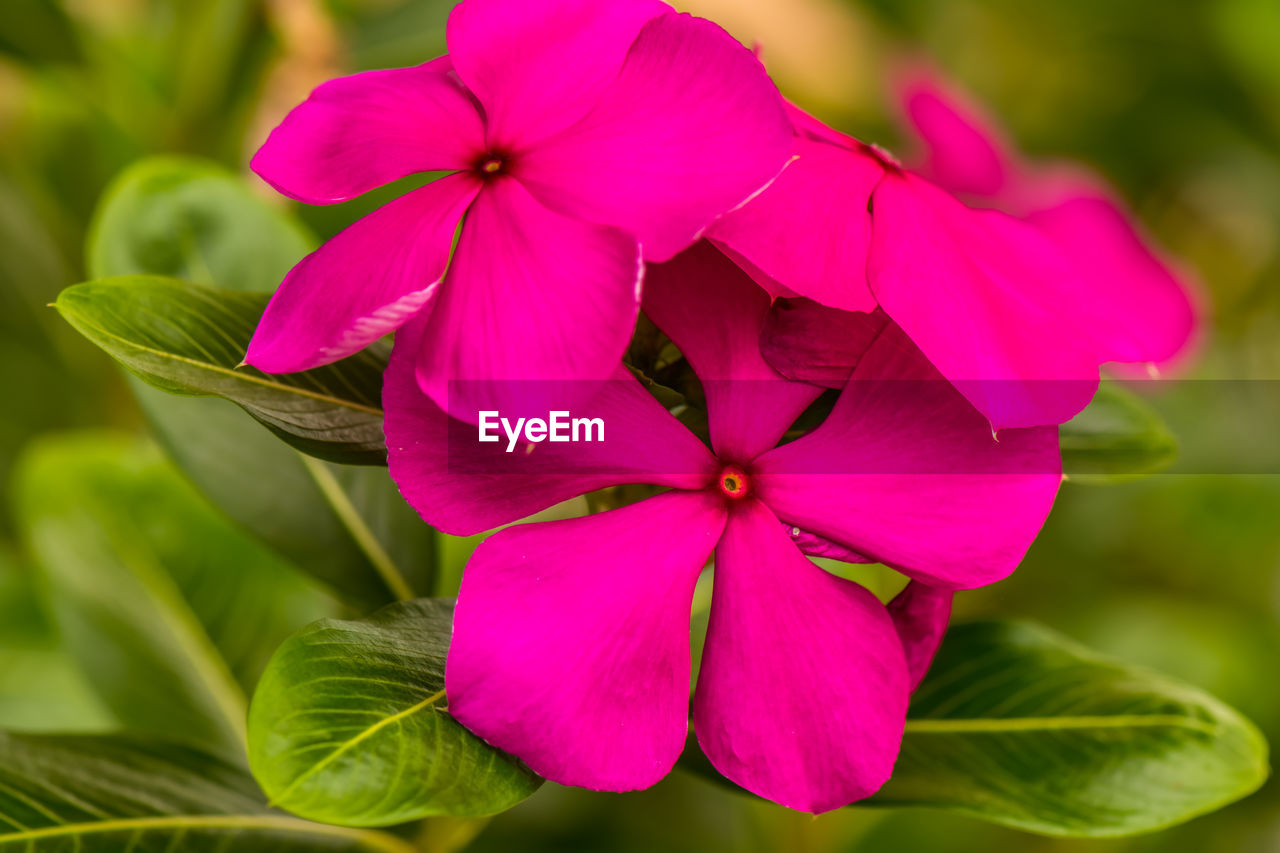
656,431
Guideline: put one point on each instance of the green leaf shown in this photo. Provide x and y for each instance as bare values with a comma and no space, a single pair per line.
1019,726
347,526
106,794
192,219
188,339
39,32
170,611
41,688
348,726
1117,437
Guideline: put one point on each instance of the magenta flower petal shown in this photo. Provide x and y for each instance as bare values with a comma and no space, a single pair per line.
817,546
920,614
1142,310
713,313
905,471
462,486
810,228
359,132
1144,313
802,693
537,67
691,127
963,151
812,128
571,640
533,300
808,342
991,301
365,282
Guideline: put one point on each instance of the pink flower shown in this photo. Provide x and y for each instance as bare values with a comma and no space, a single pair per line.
582,138
571,638
1153,307
1018,312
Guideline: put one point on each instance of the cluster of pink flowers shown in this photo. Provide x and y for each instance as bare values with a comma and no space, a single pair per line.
608,158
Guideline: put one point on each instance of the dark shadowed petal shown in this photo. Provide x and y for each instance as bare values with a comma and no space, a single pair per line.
536,310
809,229
359,132
713,312
691,127
464,486
818,546
905,471
537,67
802,693
990,300
809,342
365,282
571,640
920,614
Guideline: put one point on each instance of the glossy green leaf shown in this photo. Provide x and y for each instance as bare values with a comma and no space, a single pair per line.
348,726
1017,725
346,526
192,219
170,611
188,339
121,794
1117,437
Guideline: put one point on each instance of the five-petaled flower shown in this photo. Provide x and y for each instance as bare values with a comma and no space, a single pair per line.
571,640
583,138
1018,312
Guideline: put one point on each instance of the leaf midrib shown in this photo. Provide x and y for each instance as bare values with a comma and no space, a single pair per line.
364,735
233,374
1010,724
377,840
355,525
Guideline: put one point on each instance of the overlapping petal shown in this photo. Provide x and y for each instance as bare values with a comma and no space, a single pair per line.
536,310
802,693
713,313
691,127
920,614
810,228
365,130
1143,311
818,546
571,640
995,305
365,282
463,486
539,67
812,128
963,152
809,342
905,471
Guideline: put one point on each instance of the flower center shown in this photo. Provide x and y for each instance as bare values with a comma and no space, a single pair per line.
491,165
733,482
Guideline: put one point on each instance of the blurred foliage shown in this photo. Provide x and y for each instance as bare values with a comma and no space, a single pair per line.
1175,104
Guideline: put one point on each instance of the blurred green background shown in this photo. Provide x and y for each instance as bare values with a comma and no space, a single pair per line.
1178,104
